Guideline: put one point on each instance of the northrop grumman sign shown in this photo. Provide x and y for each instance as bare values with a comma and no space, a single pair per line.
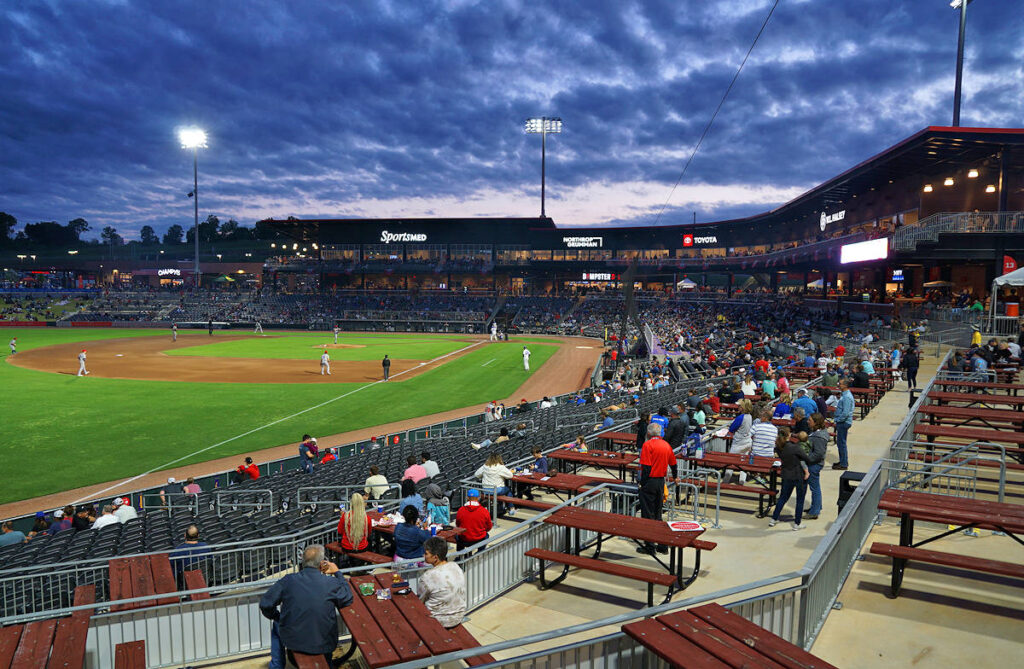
831,218
583,242
388,237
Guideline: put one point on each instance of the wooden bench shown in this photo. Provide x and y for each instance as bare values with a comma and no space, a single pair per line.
761,492
902,554
9,639
1012,440
924,457
72,632
467,640
651,578
34,646
304,661
525,503
130,655
194,580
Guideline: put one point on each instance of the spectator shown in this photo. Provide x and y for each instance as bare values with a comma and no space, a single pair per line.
84,518
860,378
843,421
10,536
641,430
740,428
475,518
763,434
248,469
830,379
910,364
540,461
307,621
410,497
62,519
784,406
783,382
493,475
656,457
794,474
39,525
502,438
804,402
168,492
429,465
579,444
376,483
188,555
409,536
815,461
330,456
675,432
353,527
191,487
306,453
769,386
124,510
415,472
108,518
800,421
442,587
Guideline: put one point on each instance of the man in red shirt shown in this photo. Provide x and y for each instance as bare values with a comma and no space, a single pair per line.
656,458
249,469
840,351
475,518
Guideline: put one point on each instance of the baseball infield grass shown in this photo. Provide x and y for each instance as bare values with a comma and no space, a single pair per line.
61,432
302,346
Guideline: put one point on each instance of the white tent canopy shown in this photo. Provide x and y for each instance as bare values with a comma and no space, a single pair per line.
685,284
1014,278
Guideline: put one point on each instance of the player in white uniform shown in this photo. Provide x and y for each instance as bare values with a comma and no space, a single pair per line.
494,331
526,358
81,363
174,332
259,328
325,364
14,346
335,335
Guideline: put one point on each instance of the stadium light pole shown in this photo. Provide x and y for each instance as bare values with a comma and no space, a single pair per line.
962,6
195,139
543,126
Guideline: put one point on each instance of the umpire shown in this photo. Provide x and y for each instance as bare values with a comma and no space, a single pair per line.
656,457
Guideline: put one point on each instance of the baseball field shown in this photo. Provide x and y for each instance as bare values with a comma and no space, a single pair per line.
150,404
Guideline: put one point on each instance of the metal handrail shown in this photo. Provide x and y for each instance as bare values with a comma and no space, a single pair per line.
218,495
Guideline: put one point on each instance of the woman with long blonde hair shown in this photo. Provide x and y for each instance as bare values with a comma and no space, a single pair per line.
353,527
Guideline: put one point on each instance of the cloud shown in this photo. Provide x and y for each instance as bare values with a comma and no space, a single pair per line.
383,108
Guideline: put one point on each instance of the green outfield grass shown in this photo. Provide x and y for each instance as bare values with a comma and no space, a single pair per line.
61,432
301,346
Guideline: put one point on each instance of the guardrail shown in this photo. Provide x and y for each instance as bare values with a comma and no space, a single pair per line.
928,229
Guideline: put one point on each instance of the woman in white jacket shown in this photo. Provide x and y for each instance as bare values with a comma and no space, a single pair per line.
493,476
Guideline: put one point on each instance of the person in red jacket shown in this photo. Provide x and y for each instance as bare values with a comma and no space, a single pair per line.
354,527
249,469
840,351
475,518
330,456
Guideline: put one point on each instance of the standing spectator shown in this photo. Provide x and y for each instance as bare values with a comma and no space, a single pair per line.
11,536
409,536
306,453
910,363
475,518
248,469
353,527
843,421
675,433
415,471
429,465
124,510
376,483
815,461
309,600
442,587
641,429
794,475
108,518
656,457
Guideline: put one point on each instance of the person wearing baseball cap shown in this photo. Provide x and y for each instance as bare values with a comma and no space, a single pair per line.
476,520
124,510
81,364
172,488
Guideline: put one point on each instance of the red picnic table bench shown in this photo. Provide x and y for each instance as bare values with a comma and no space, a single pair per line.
399,629
1012,441
132,655
611,461
641,530
911,506
995,419
713,636
1009,388
974,399
619,438
49,643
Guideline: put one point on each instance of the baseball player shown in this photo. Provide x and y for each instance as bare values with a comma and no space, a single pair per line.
494,331
259,328
81,363
325,364
336,335
14,346
526,358
386,366
174,332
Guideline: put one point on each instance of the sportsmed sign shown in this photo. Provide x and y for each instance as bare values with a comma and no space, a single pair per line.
830,218
388,237
690,240
583,242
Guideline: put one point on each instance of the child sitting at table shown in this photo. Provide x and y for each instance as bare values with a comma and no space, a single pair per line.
409,536
580,445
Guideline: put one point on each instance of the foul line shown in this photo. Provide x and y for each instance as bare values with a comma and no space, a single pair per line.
270,424
488,362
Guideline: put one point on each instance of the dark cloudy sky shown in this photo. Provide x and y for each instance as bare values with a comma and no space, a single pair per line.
395,108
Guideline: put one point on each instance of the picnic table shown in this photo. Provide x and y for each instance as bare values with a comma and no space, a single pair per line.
642,530
713,636
613,462
961,513
399,629
1010,388
991,418
619,438
973,399
561,483
1012,441
766,491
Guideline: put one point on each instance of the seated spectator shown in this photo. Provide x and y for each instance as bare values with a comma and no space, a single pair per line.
579,445
546,402
409,536
804,402
494,476
353,526
442,587
524,406
769,387
124,510
191,487
187,556
330,456
784,406
607,420
84,518
502,438
376,483
474,518
415,471
860,378
782,382
540,461
830,378
867,366
10,536
170,492
801,423
108,518
763,434
748,387
307,621
62,519
693,400
429,465
249,469
410,497
39,525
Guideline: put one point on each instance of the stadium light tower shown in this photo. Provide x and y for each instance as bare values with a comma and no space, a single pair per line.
962,6
195,139
543,126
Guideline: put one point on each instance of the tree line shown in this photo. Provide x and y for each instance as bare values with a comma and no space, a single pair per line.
51,234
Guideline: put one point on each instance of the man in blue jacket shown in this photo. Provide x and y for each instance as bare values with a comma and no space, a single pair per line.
843,419
307,621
